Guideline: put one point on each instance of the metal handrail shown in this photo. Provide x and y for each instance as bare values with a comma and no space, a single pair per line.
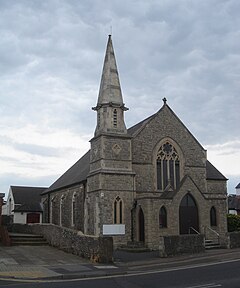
213,231
193,229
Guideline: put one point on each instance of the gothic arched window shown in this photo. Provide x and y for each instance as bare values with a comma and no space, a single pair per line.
163,217
115,117
51,210
118,211
213,217
74,209
168,167
61,210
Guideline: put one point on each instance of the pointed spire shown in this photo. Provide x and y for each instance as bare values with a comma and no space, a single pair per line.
110,89
110,107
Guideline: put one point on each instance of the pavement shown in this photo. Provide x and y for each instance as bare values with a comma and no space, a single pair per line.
33,263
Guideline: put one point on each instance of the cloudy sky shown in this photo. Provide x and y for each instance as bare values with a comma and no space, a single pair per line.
51,57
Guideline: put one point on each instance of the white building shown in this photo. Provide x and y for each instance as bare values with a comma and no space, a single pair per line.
24,204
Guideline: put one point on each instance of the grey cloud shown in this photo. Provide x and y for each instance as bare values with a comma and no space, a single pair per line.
52,53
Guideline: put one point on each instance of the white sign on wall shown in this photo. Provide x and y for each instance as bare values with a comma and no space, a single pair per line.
114,229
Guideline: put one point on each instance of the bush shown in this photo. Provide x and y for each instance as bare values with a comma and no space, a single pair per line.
233,222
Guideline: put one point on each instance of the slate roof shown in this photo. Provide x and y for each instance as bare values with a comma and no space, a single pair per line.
134,129
74,175
213,173
27,199
79,171
238,186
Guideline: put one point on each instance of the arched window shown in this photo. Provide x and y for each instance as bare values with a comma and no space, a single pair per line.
74,209
61,210
118,211
163,217
168,167
51,210
213,217
115,118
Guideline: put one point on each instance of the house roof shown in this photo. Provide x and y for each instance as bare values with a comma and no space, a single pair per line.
238,186
213,173
233,202
27,198
74,175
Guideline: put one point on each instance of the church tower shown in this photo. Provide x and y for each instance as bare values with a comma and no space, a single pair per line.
110,181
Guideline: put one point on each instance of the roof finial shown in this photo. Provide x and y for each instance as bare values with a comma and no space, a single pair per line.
164,100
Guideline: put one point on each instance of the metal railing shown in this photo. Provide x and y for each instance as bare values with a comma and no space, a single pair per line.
215,233
194,230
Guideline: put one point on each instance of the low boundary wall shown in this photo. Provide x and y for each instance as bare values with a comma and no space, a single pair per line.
97,249
180,244
233,240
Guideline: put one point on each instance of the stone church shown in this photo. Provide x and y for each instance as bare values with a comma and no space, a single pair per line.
147,181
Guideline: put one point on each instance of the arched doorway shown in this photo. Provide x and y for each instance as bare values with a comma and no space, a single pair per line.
188,215
141,225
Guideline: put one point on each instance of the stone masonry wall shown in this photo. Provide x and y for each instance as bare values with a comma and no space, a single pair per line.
216,187
234,240
97,249
174,245
146,144
51,204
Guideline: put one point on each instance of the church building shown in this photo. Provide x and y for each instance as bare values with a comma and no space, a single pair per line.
141,183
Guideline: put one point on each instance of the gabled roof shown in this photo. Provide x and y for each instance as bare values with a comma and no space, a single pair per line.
133,131
213,173
74,175
27,198
238,186
137,127
79,171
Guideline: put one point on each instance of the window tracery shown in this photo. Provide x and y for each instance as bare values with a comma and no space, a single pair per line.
168,167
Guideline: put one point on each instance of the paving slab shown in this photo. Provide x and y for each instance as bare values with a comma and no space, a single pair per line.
45,262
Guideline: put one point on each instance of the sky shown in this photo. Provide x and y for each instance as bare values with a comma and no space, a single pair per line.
51,57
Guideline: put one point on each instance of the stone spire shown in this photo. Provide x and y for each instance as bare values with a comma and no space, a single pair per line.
110,106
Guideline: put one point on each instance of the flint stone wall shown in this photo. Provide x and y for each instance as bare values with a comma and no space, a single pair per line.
180,244
234,240
97,249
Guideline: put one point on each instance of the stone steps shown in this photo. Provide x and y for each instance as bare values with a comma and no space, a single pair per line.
27,239
211,244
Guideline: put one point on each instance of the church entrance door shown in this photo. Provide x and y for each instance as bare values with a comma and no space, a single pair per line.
141,225
188,215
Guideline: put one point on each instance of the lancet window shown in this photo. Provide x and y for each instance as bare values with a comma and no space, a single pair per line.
115,117
118,211
163,217
74,209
